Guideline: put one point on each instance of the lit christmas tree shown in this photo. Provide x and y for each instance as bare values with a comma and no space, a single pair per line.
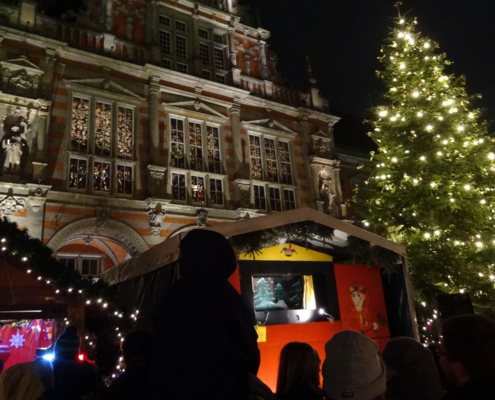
263,297
432,184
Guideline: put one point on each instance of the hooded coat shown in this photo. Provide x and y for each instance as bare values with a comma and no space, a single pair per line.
205,341
417,376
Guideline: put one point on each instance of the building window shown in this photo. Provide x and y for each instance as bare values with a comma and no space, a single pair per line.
198,189
177,139
79,127
219,59
220,78
275,203
204,34
68,262
165,42
78,173
195,146
216,191
101,177
163,20
218,38
290,199
103,129
166,63
178,186
125,129
207,74
285,165
124,179
259,197
89,267
181,46
180,26
271,160
204,53
213,141
184,68
255,152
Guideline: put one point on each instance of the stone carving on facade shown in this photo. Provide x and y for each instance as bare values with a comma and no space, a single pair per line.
14,149
9,205
321,147
102,215
155,217
20,77
202,218
327,193
20,84
157,180
244,194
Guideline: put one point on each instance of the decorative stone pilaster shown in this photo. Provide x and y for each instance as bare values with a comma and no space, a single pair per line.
108,15
235,121
198,64
202,218
35,206
156,181
232,52
242,193
264,67
152,22
156,213
49,67
306,141
41,139
153,100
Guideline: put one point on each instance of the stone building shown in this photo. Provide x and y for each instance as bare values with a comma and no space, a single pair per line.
125,121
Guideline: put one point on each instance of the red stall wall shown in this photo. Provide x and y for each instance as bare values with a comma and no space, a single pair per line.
373,311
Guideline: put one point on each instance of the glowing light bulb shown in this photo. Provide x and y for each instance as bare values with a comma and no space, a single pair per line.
411,41
402,66
437,232
467,187
483,201
422,158
479,244
382,113
460,128
491,156
394,159
432,184
402,21
401,35
415,94
452,200
471,115
427,235
429,128
420,114
427,45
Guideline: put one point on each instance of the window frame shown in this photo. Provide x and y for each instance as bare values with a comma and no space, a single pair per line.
129,164
74,155
79,260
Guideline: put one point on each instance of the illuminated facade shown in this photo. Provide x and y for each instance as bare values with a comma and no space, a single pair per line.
125,120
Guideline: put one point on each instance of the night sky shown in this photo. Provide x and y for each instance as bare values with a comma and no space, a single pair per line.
343,39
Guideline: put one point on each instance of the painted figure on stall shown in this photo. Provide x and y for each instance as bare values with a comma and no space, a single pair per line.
360,318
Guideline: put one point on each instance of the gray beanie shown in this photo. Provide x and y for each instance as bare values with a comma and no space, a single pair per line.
352,368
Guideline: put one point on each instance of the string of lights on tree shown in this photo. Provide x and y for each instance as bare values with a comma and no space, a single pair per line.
432,183
18,249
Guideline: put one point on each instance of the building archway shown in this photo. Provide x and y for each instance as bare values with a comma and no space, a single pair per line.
92,246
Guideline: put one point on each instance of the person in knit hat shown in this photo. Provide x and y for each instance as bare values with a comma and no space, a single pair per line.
67,345
411,371
352,368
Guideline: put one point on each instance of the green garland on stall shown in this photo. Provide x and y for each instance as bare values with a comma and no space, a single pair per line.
19,249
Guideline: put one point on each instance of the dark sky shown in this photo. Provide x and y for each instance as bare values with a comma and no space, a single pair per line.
343,38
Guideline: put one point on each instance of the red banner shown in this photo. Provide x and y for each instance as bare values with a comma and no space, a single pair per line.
19,345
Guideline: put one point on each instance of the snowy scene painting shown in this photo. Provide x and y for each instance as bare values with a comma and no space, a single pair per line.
284,292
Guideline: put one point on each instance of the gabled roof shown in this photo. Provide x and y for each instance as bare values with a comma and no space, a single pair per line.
168,251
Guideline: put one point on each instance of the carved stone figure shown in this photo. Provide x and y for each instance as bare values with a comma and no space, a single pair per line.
202,218
326,193
10,205
21,84
102,215
321,148
14,150
244,195
155,218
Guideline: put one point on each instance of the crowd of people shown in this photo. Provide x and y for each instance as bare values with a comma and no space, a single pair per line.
204,347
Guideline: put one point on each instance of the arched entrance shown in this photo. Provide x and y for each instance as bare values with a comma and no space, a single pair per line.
92,247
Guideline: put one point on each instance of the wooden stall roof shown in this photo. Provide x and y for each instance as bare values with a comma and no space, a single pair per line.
168,251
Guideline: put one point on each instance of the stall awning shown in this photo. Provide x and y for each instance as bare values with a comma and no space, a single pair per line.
168,251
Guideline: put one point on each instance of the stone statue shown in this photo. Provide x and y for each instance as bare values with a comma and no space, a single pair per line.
326,193
14,154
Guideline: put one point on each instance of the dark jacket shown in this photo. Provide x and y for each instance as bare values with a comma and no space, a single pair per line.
205,341
131,385
304,392
479,389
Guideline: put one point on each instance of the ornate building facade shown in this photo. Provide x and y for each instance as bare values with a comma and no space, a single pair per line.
124,121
